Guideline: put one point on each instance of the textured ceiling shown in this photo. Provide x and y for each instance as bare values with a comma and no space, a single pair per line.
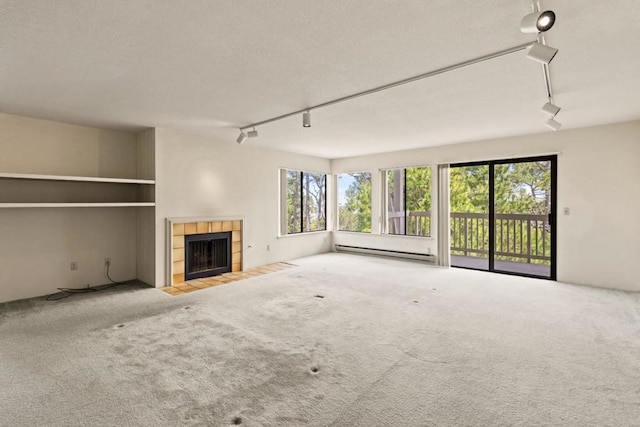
212,66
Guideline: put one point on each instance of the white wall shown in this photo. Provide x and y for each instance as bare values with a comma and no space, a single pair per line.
37,245
198,176
598,178
146,230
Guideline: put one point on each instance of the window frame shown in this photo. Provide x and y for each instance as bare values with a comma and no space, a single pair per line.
284,220
337,201
384,174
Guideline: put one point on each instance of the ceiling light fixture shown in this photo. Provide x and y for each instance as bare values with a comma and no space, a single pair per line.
541,53
253,133
553,124
538,22
242,137
306,119
551,109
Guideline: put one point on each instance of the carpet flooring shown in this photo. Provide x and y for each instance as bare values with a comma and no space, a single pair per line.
338,340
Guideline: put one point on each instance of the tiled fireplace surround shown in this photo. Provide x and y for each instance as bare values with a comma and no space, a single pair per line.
178,228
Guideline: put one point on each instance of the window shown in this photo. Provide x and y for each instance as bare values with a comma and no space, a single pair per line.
354,201
306,201
408,201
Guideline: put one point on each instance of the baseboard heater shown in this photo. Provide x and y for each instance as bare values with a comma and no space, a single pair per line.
386,252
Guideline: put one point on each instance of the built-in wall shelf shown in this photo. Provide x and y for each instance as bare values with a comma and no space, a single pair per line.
76,205
27,190
75,178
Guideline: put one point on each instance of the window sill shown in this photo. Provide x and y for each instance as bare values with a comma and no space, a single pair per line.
400,236
383,235
306,233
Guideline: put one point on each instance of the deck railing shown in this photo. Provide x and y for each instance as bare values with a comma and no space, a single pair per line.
418,223
519,237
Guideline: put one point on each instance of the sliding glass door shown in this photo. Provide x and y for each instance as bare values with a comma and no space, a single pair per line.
469,201
502,216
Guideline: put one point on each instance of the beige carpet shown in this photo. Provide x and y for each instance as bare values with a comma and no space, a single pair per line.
340,340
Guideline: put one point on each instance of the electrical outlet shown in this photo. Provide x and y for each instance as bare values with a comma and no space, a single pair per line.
107,261
74,266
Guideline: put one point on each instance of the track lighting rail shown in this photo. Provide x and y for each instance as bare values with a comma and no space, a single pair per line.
432,73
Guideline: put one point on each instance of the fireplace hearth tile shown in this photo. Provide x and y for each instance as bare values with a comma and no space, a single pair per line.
178,267
186,288
191,228
172,290
178,254
197,284
236,258
178,229
200,284
178,242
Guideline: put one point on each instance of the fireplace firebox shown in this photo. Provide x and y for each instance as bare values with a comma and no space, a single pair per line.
207,255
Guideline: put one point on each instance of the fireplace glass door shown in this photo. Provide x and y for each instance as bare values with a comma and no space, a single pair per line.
207,255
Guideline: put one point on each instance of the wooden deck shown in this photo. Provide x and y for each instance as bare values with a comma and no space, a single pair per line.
508,266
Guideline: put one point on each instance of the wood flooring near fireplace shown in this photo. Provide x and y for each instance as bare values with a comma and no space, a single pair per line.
208,282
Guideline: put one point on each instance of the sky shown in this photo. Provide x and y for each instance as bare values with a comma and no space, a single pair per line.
344,181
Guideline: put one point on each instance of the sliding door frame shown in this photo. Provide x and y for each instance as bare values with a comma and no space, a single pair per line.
553,159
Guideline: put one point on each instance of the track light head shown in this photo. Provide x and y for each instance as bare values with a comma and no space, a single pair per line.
552,124
541,53
306,119
549,108
252,133
241,138
538,22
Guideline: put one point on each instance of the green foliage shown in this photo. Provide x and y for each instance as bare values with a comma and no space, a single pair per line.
294,205
469,189
418,189
409,201
306,201
355,213
519,188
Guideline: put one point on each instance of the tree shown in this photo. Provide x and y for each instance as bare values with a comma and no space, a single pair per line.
409,201
354,214
294,207
306,198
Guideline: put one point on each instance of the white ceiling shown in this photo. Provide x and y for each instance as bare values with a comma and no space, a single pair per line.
213,66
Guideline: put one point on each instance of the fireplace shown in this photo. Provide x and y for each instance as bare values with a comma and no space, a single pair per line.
181,230
207,255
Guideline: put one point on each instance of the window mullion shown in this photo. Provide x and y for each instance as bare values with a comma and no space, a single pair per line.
404,201
301,202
